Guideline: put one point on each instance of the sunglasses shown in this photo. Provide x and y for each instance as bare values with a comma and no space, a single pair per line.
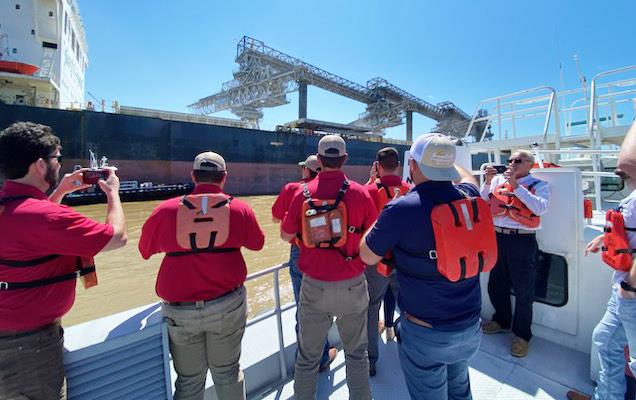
515,160
60,158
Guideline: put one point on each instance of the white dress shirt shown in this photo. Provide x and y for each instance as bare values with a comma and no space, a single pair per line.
628,209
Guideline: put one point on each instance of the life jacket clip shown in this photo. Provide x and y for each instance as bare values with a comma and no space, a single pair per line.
4,285
432,254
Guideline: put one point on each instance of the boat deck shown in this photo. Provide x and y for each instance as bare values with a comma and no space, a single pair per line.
548,372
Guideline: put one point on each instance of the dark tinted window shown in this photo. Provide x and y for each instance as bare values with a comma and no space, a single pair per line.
551,282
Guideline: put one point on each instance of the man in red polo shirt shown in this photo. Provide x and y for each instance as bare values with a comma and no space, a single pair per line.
310,168
201,279
333,274
386,186
41,243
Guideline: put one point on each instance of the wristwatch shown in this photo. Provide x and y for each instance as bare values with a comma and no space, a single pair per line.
628,287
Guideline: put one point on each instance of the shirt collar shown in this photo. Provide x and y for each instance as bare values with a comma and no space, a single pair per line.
207,188
12,188
391,180
305,180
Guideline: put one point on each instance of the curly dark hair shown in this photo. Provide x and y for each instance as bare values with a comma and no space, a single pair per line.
21,144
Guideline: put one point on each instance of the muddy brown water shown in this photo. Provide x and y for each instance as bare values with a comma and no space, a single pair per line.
127,281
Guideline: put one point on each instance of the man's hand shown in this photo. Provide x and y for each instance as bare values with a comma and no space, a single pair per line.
72,182
512,179
110,186
489,173
373,173
595,245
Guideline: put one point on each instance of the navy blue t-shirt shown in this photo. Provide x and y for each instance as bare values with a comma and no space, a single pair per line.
404,227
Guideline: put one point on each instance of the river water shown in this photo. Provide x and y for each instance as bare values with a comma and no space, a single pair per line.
127,281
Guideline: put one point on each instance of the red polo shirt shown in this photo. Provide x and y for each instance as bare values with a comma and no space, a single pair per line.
387,180
203,276
32,228
282,202
329,264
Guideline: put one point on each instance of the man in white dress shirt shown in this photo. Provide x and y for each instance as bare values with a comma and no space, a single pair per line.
517,200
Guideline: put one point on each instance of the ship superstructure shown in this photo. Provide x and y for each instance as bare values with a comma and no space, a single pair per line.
48,35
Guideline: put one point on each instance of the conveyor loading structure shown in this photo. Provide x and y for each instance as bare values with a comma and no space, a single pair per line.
266,75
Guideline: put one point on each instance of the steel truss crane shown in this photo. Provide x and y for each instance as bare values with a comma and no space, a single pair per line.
266,75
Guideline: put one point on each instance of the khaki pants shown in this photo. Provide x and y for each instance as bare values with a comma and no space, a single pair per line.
208,337
32,366
320,301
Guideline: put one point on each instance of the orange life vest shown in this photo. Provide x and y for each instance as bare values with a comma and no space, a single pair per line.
388,193
503,202
85,266
615,251
324,222
469,222
383,196
203,223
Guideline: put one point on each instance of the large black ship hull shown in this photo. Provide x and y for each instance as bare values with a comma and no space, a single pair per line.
161,151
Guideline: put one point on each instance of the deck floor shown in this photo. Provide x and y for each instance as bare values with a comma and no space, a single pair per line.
548,372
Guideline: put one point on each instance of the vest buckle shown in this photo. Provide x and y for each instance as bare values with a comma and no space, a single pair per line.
4,285
432,254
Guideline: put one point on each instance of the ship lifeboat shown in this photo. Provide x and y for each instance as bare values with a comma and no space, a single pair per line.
18,67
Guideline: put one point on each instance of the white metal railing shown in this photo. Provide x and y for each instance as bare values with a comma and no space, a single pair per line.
277,311
516,107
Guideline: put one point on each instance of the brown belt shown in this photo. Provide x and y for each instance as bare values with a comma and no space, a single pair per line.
418,321
509,231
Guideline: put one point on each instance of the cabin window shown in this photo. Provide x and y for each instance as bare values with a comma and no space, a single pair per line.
17,6
551,282
14,51
32,31
50,13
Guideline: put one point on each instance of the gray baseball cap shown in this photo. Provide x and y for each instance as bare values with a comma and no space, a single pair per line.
435,156
311,163
209,161
332,146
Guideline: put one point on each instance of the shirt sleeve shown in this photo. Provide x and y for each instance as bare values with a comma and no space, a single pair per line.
386,231
486,189
372,211
148,242
281,204
71,233
254,236
291,222
537,202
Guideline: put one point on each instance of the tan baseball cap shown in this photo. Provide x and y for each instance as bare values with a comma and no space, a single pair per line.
435,156
209,161
311,163
332,146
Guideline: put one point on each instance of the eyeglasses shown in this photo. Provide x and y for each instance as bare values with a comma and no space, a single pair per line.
59,157
515,160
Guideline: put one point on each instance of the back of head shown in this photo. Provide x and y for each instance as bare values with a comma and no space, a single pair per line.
434,154
332,151
209,167
388,158
21,144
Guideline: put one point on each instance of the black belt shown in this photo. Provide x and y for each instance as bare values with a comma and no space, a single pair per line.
510,231
200,303
19,334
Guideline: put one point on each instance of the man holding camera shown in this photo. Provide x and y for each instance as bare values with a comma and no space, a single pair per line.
201,279
44,246
517,200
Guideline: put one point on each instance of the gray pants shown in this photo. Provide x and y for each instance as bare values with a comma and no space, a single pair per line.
32,366
378,285
208,337
320,302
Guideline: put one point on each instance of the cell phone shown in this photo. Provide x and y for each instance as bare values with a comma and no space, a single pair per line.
92,176
500,168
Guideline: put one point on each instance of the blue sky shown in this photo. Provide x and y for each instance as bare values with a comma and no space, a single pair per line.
168,54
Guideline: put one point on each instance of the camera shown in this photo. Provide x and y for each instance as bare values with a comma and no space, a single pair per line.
92,176
500,168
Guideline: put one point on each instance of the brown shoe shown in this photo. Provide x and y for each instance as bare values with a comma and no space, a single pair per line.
572,395
333,352
519,347
381,327
491,327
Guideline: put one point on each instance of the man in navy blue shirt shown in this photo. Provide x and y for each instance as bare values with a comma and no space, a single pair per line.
440,325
